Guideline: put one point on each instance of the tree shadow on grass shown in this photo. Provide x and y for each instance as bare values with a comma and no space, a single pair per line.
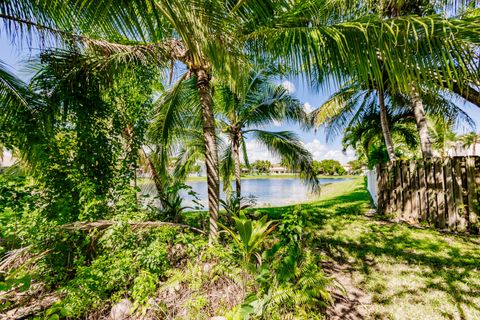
440,262
447,270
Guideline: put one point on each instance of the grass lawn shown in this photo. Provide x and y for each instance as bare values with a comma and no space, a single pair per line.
402,272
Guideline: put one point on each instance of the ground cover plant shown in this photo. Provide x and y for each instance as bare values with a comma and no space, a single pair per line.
119,92
322,258
392,270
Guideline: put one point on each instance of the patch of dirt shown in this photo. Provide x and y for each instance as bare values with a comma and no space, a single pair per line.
350,301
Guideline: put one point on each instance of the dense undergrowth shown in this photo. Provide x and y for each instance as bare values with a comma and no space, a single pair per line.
173,273
263,267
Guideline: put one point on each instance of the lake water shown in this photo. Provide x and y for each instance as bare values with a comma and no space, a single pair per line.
267,192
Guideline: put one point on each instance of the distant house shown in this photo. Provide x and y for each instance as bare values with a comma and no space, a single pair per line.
274,169
348,168
278,169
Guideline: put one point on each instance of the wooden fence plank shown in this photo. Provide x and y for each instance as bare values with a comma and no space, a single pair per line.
380,173
392,186
431,195
398,189
422,183
471,192
440,186
414,191
458,194
449,195
407,203
476,228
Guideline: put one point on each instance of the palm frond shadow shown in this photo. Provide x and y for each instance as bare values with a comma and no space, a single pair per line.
432,256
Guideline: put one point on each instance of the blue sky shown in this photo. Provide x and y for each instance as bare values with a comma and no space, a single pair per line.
315,142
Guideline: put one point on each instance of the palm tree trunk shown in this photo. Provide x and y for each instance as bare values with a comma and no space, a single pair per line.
421,121
211,153
236,159
475,140
385,129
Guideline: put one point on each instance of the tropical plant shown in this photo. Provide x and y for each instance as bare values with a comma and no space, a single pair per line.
355,102
444,138
259,103
470,140
251,234
292,284
234,204
172,201
414,89
367,138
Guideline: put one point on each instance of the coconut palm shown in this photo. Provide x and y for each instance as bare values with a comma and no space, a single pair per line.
398,10
260,104
212,37
444,138
470,140
366,137
354,101
195,33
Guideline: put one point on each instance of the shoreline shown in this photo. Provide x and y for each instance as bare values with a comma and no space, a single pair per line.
258,177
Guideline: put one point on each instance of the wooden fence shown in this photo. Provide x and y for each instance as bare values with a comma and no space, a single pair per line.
441,192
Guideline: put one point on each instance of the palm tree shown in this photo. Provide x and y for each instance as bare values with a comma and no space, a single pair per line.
21,123
355,101
260,104
211,38
197,34
366,137
443,136
470,140
400,8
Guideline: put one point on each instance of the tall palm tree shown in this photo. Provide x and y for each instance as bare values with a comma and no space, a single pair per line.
260,104
212,37
394,8
355,101
195,33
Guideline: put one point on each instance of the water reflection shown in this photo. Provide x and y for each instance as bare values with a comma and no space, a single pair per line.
268,192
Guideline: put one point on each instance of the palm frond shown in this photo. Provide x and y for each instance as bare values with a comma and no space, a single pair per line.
287,146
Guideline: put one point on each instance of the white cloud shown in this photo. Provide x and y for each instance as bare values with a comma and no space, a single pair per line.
321,151
307,107
289,86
